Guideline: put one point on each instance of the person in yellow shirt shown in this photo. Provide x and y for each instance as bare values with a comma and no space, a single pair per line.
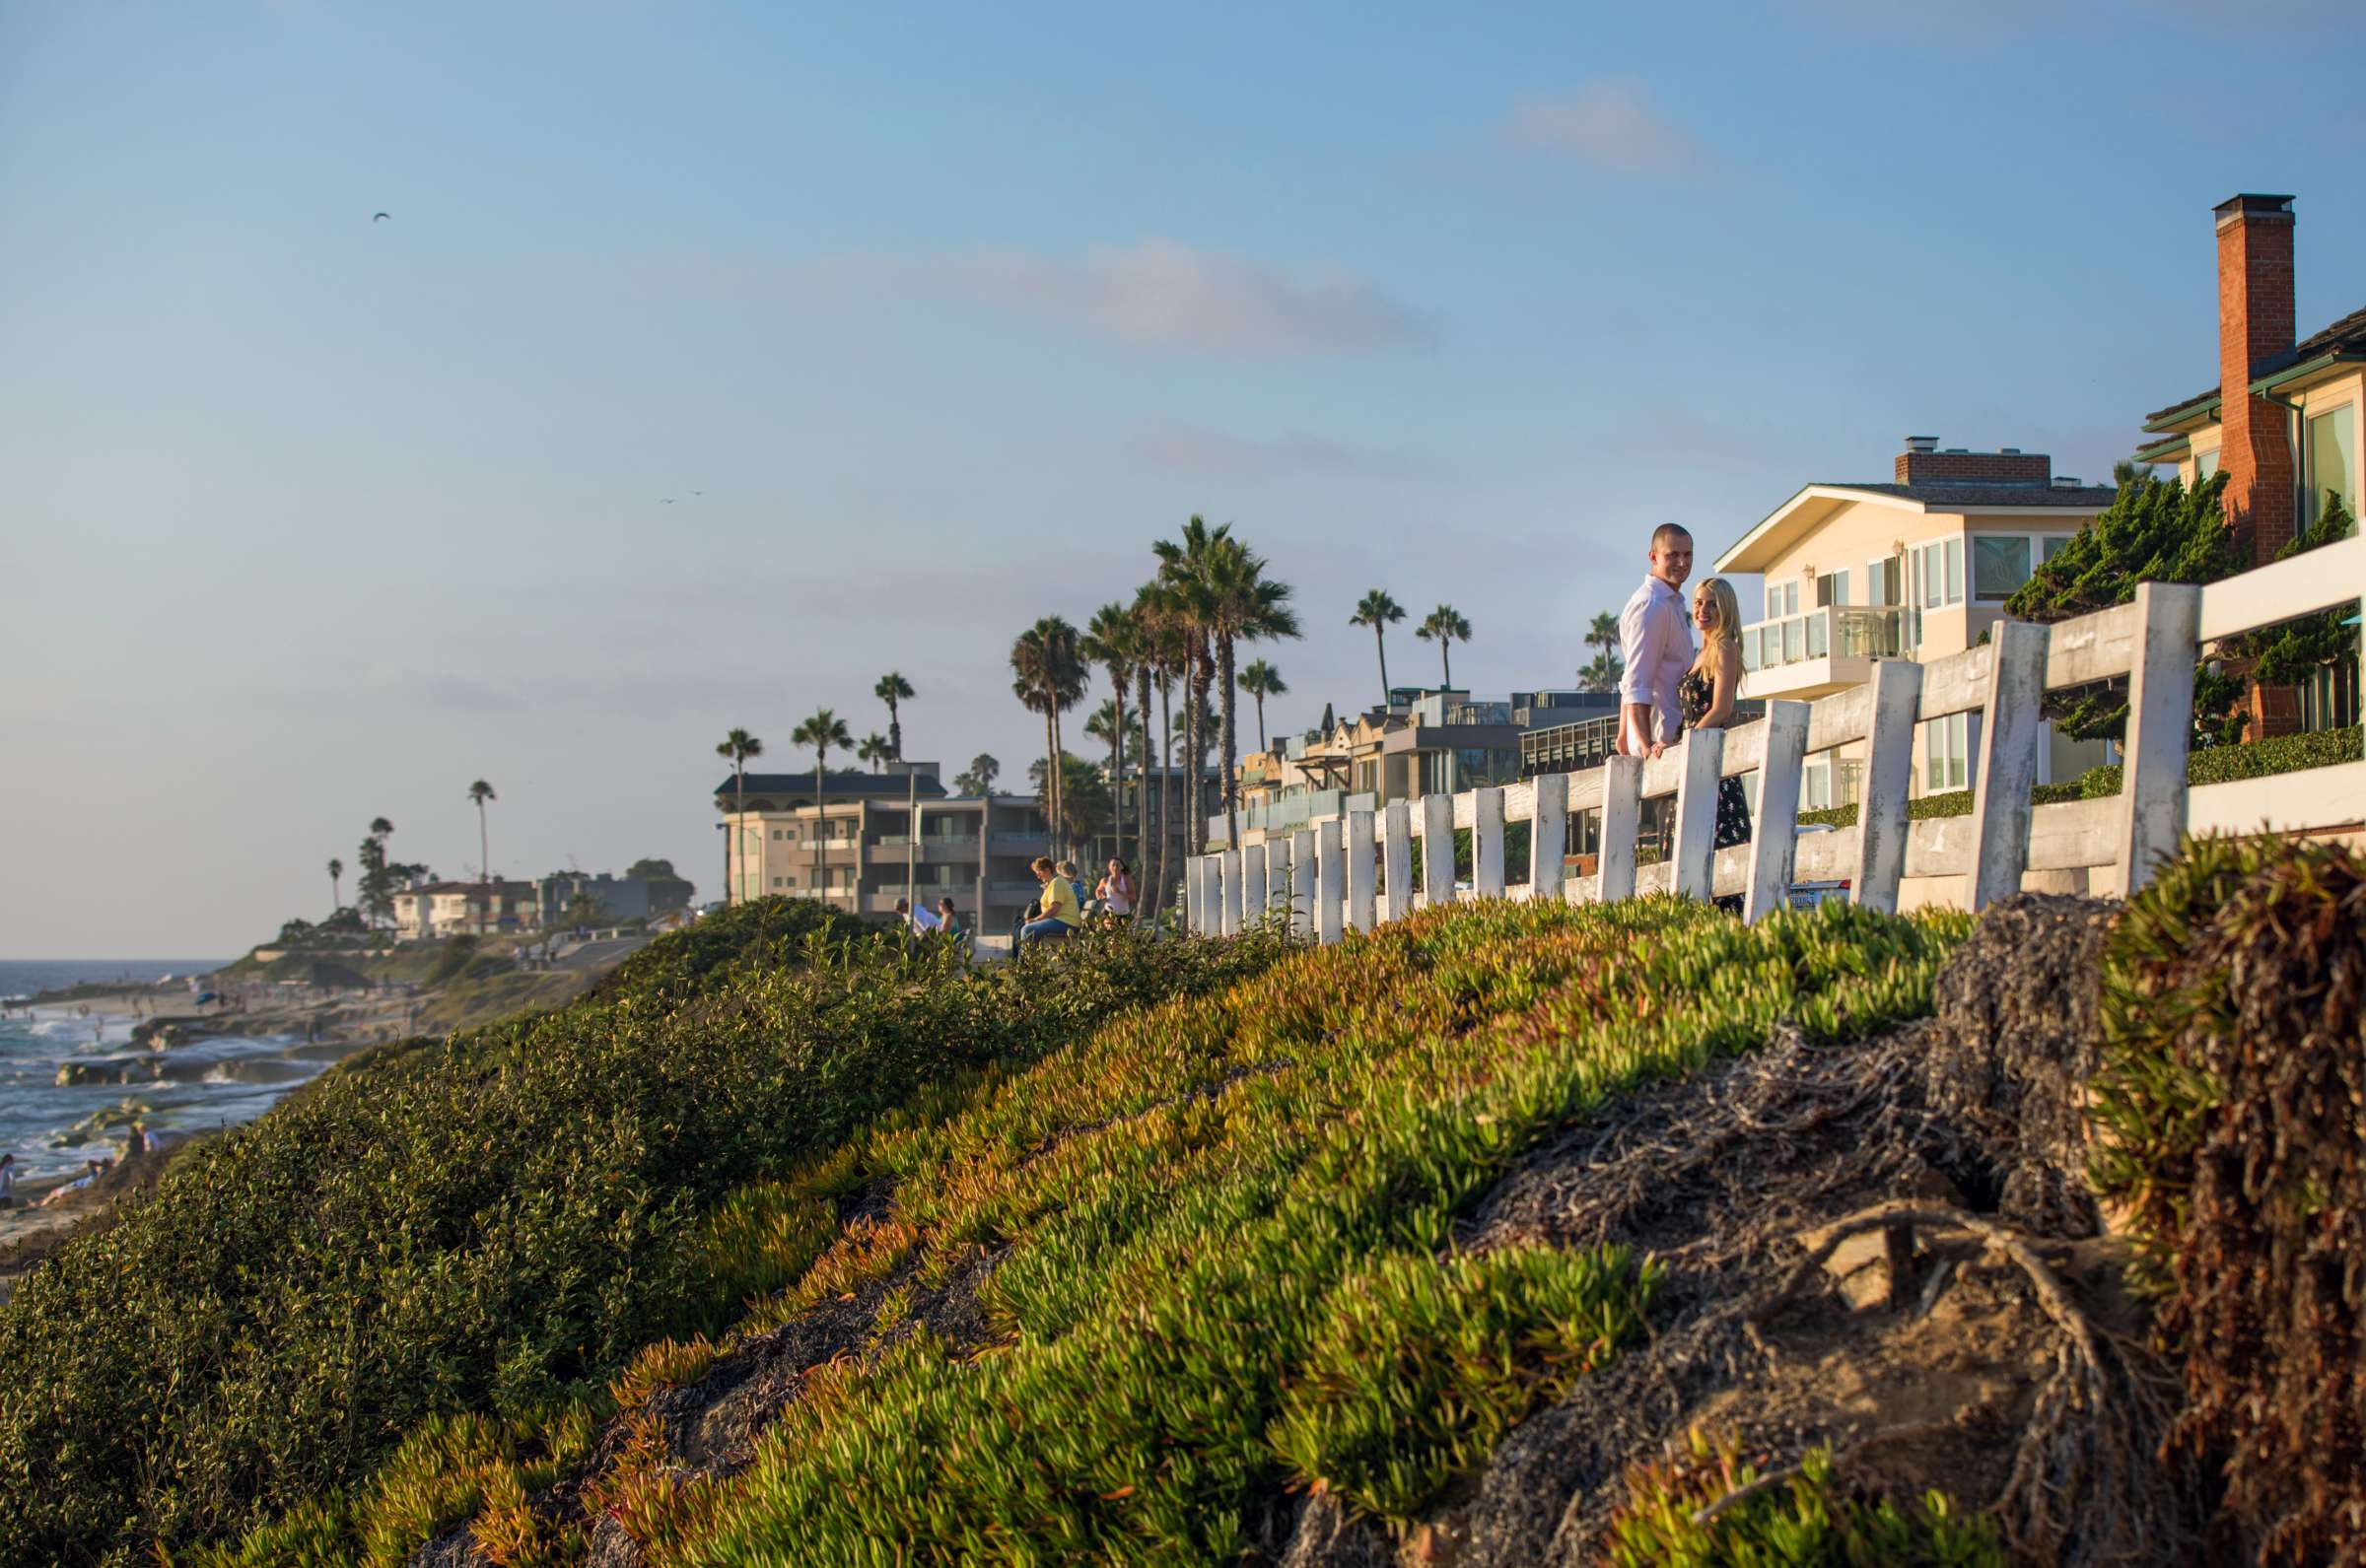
1062,915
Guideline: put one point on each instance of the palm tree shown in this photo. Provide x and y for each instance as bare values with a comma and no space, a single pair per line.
1445,627
1376,610
1238,603
891,690
738,745
876,749
1260,680
1110,641
336,877
1603,672
1183,590
978,778
480,793
821,732
1048,675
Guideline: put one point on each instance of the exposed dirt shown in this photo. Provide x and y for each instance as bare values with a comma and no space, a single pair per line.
2003,1365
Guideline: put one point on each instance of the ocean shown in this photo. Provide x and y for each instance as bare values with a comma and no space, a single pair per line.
52,1128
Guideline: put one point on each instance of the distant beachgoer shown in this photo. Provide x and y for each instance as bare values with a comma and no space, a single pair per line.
1116,891
948,920
8,1180
1062,915
136,1143
918,921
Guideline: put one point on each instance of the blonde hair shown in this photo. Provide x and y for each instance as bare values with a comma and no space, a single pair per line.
1728,629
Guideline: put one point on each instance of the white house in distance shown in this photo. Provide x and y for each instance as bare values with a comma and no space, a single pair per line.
1918,566
450,908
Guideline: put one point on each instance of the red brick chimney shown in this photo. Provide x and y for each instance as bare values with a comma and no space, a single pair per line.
2254,325
1923,463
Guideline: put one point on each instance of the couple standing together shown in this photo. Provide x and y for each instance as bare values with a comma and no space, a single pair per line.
1667,687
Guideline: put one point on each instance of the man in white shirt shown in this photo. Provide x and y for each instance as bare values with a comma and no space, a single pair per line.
922,919
1655,638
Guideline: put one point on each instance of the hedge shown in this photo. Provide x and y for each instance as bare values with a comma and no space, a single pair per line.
2322,748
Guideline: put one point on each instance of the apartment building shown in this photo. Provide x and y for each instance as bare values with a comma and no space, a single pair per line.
2283,422
1918,566
452,908
1427,740
865,838
614,898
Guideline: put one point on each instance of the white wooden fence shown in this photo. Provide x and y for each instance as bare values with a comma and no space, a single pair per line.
1324,872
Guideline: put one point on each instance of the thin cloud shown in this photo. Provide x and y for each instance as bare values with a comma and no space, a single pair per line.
1156,291
1611,125
1160,290
1195,449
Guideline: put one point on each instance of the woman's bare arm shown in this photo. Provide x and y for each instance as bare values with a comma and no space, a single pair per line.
1726,687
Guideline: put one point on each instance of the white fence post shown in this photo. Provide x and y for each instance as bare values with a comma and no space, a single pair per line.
1302,883
1697,812
1229,870
1774,836
1487,842
1329,868
1621,820
1276,875
1195,881
2160,723
1437,848
1888,781
1399,850
1548,834
1364,909
2009,762
1252,884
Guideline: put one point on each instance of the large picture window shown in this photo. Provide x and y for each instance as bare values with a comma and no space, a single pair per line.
2000,564
2333,451
1935,573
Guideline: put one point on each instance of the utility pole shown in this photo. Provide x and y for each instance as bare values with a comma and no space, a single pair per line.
911,834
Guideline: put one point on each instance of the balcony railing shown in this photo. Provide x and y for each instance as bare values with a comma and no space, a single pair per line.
1836,631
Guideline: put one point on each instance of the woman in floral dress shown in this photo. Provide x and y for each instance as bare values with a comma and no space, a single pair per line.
1706,694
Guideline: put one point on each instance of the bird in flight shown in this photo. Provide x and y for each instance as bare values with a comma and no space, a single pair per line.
666,500
379,217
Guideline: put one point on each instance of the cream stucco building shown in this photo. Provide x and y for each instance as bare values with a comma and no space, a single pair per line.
1918,566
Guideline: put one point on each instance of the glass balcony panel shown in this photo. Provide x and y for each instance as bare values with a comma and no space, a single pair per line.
1817,628
1794,640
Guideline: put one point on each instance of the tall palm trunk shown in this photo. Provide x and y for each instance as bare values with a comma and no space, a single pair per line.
1191,736
1167,782
1230,776
484,865
822,822
1141,799
1445,651
1059,786
1261,745
1380,641
1203,680
1117,773
731,840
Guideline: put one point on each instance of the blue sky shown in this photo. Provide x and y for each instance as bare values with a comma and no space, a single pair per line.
949,311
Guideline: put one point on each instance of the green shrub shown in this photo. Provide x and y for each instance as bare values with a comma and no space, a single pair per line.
483,1224
2227,1126
759,935
1805,1521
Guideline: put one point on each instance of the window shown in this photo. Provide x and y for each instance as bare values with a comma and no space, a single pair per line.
2000,564
2332,449
1782,598
1815,786
1832,588
1947,754
2050,545
1882,582
1935,573
2205,463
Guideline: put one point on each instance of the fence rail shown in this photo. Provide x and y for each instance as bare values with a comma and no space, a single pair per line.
1330,872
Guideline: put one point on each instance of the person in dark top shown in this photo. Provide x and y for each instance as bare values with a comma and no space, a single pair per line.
1708,692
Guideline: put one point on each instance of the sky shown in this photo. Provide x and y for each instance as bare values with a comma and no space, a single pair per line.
929,320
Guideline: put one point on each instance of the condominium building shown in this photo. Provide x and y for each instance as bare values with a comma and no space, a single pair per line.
2283,420
865,840
1427,740
1918,566
452,908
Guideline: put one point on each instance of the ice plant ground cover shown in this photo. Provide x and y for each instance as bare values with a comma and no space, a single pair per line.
1206,1256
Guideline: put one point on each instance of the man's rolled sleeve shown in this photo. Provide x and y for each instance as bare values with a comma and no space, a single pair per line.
1639,646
